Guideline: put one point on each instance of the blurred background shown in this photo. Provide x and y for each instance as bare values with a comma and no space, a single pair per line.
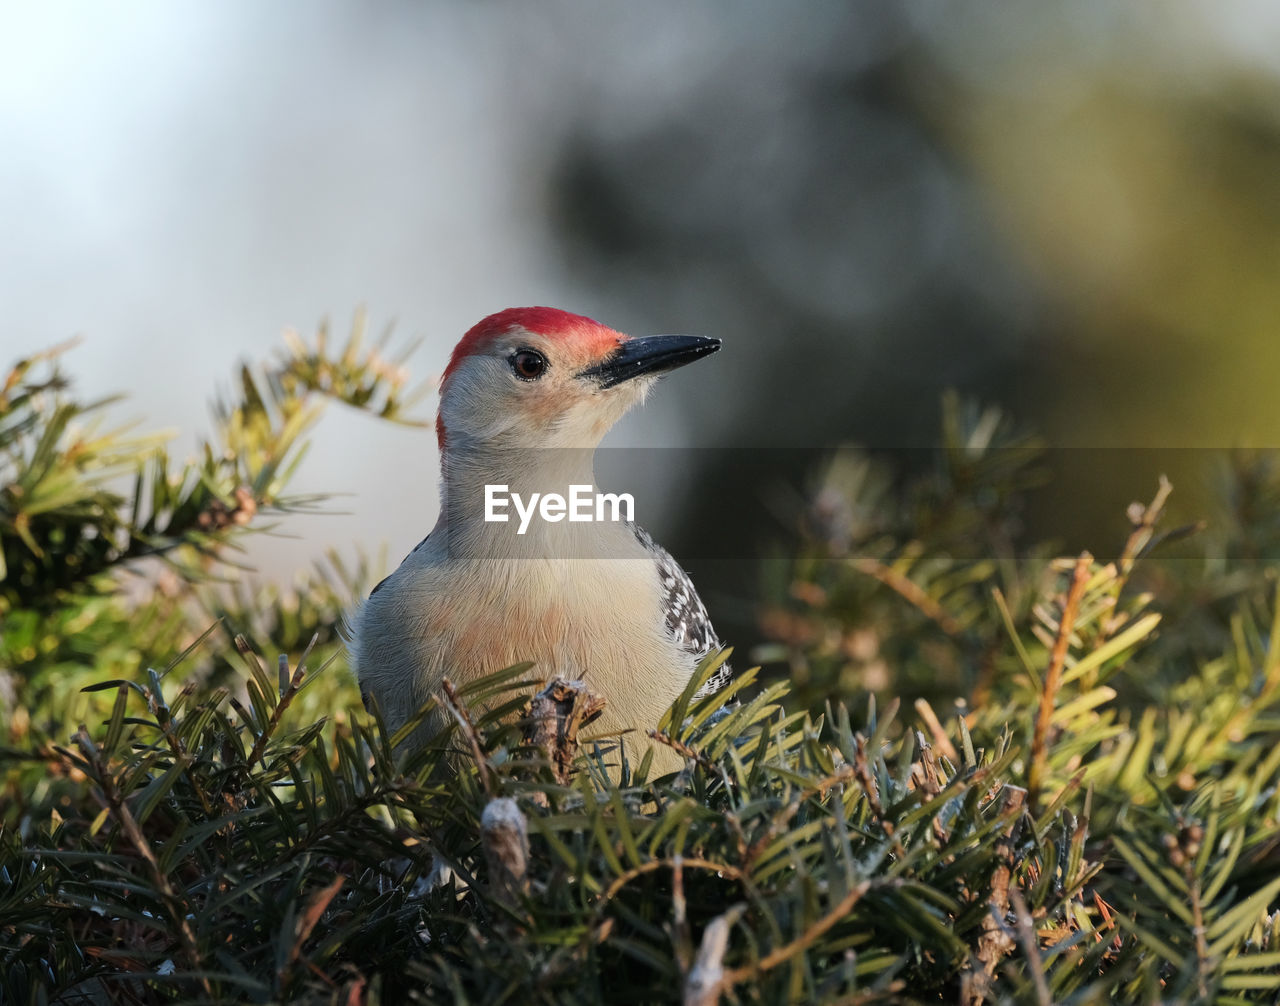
1070,211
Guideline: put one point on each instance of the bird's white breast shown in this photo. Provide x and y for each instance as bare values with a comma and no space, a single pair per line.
593,612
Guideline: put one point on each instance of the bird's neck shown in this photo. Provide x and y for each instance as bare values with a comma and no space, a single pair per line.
474,478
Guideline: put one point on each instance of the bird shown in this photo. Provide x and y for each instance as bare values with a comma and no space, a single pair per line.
526,398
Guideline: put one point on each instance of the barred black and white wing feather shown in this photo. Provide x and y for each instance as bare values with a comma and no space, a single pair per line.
686,616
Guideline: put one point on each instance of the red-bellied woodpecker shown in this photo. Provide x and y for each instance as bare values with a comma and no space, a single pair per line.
527,396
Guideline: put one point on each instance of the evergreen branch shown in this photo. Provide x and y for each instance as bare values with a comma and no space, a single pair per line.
174,905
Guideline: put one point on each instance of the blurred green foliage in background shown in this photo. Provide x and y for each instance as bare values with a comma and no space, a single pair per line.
115,559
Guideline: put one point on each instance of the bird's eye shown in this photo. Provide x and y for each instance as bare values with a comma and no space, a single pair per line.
528,365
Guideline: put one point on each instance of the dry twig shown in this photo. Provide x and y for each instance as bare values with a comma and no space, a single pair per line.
555,716
506,848
684,750
1053,677
1143,520
706,978
995,941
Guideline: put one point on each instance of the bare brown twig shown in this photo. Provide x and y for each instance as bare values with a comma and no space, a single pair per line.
706,978
680,748
1053,677
686,862
505,833
681,938
1144,520
555,715
995,941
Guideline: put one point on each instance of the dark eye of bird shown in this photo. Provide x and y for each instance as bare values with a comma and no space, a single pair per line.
528,364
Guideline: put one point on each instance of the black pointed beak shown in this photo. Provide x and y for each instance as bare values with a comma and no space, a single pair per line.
653,354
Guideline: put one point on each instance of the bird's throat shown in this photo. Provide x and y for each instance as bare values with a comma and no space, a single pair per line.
495,502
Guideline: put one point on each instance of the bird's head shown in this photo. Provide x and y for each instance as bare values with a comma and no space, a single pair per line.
538,377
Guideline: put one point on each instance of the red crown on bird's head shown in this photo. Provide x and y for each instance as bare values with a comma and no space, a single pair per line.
548,322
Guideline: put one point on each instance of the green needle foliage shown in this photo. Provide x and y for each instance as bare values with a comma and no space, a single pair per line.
1091,818
85,508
